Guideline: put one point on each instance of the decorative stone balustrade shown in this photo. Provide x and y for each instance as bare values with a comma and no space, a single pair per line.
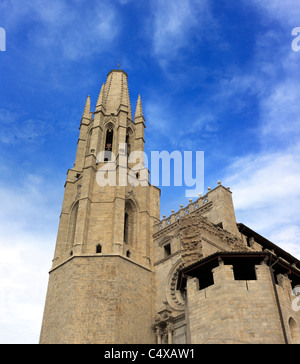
184,211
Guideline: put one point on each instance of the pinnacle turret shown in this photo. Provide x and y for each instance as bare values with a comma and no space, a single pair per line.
100,101
139,108
87,108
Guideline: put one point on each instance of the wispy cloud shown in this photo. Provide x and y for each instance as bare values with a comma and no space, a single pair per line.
64,28
16,129
28,221
265,182
175,24
23,283
287,12
124,2
266,194
281,113
166,133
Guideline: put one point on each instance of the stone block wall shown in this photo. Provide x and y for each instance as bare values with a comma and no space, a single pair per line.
99,299
231,311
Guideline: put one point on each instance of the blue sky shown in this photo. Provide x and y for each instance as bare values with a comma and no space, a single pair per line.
217,76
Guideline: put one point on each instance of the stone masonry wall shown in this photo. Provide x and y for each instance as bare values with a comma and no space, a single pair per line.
99,299
233,311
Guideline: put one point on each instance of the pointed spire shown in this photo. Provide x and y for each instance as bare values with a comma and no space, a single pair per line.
100,101
139,108
87,108
117,93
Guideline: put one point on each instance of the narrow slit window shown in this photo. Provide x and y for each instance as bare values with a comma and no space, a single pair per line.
98,249
108,145
128,145
126,228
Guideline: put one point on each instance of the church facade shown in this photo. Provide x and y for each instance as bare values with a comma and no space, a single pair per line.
121,275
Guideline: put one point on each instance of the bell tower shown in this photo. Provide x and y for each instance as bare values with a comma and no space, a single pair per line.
101,281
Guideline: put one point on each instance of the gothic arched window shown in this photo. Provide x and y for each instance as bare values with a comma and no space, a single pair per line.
129,140
108,144
72,224
126,228
130,223
128,145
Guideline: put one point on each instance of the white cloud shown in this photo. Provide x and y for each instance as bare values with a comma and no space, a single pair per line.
15,130
281,111
287,12
288,238
124,2
28,228
26,258
280,107
74,31
266,193
162,115
267,175
265,183
173,24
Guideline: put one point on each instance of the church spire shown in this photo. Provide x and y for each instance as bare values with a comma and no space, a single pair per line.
116,92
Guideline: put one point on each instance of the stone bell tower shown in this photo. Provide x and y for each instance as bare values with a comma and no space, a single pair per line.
101,282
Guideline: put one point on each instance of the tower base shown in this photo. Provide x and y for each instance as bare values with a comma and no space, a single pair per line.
104,299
